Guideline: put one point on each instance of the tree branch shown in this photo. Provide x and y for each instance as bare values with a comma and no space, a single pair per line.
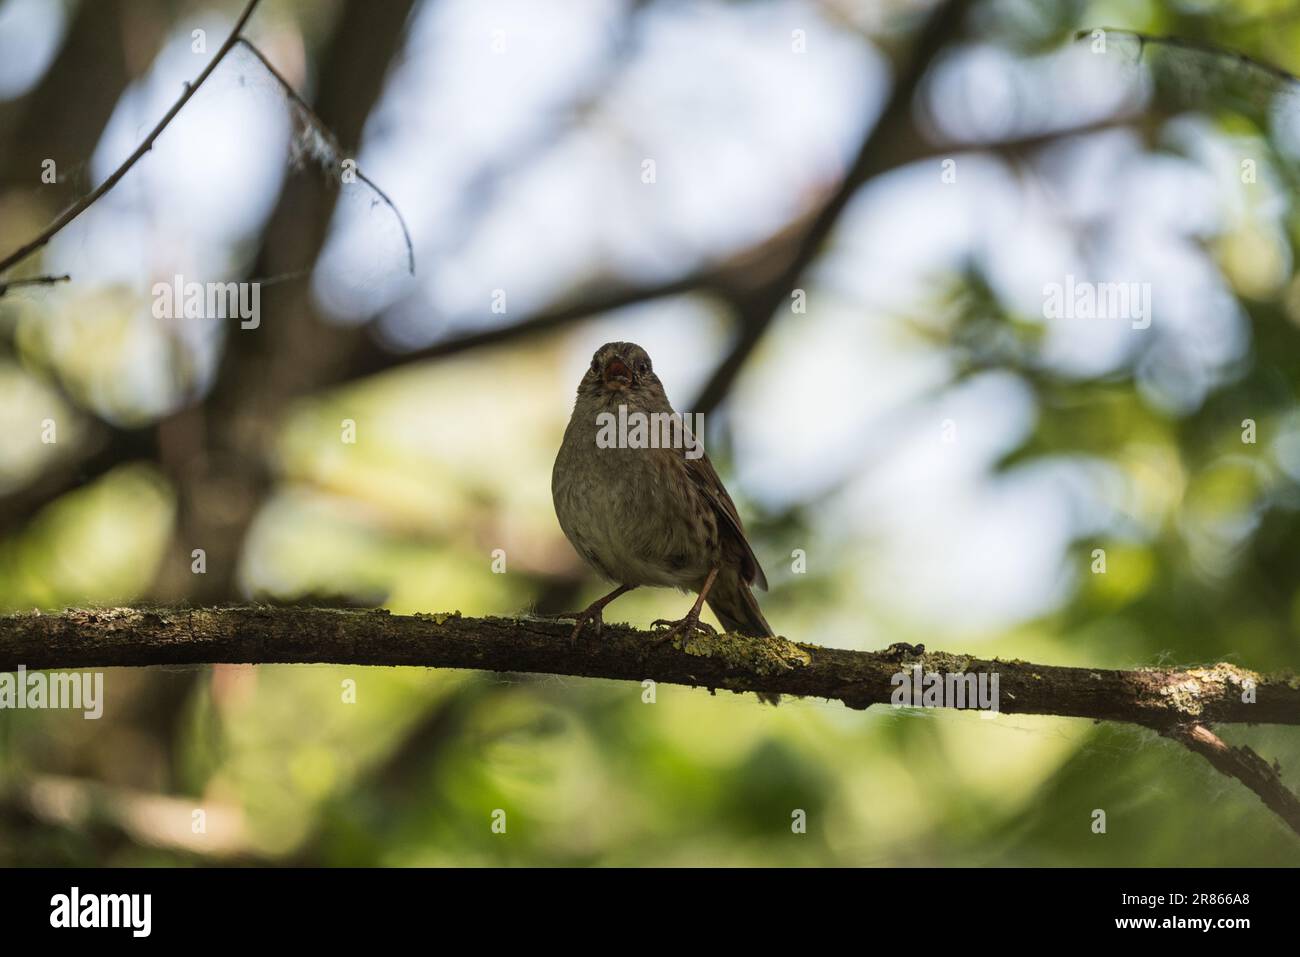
1156,698
735,278
1145,40
1246,766
103,450
757,280
757,313
81,205
371,357
1179,703
33,281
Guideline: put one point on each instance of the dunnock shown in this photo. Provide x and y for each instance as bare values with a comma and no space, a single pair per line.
650,516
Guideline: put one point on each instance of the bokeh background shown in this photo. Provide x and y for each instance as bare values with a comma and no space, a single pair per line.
945,459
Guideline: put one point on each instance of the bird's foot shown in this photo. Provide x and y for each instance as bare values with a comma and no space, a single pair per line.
683,628
593,614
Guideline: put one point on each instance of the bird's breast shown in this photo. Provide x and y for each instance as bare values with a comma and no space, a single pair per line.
632,513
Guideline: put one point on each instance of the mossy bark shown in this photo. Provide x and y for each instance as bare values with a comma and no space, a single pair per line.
1157,698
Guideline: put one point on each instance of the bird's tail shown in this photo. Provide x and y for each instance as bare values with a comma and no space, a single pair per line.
735,606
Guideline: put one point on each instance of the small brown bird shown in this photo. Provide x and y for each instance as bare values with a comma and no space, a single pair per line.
650,515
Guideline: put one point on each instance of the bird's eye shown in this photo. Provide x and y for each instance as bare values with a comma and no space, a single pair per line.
595,365
643,367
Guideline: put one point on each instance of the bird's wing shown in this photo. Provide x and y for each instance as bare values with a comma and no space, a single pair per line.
705,478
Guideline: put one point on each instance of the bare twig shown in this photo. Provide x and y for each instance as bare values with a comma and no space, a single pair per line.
725,279
308,117
81,205
1246,766
33,281
1196,46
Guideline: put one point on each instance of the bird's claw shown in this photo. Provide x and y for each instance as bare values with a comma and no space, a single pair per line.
593,616
682,628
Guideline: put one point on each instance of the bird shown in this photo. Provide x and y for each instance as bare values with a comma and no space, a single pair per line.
650,516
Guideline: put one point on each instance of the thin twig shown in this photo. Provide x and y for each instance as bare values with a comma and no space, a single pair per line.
81,205
318,126
265,281
1246,766
33,281
1196,46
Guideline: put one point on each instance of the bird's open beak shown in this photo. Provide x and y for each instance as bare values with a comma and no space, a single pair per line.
617,372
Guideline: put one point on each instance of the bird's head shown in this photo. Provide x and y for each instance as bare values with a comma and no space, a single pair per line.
621,369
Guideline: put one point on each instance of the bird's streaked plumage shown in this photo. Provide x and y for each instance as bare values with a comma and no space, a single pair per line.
650,516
